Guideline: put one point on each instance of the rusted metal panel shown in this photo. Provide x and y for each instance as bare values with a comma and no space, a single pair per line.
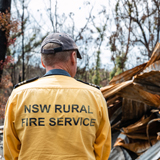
149,78
139,89
113,89
133,110
113,100
127,75
116,116
133,91
106,88
135,136
138,129
136,93
145,89
153,67
113,107
149,82
136,146
155,55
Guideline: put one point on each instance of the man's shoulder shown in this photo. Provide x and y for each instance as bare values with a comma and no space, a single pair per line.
45,82
89,84
89,87
25,82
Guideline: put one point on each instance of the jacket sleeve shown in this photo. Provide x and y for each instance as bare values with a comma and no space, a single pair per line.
11,143
102,144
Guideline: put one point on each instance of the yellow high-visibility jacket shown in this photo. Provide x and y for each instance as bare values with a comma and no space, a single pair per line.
56,118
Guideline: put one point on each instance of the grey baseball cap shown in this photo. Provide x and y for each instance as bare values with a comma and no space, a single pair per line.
65,41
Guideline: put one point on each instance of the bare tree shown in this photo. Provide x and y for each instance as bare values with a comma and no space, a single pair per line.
100,29
27,42
137,25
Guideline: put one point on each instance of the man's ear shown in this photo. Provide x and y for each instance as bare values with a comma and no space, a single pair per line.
42,63
73,57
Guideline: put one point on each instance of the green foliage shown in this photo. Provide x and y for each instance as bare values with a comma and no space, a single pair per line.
97,77
98,29
118,71
115,71
117,8
33,38
91,77
112,73
120,62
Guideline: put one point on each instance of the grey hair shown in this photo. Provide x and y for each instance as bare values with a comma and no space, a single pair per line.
52,59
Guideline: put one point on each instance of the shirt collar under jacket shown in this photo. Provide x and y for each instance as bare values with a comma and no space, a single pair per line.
57,72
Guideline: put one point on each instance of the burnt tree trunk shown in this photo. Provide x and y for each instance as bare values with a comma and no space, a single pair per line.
4,5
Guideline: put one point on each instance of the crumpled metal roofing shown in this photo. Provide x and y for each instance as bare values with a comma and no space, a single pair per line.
149,79
155,55
137,146
132,91
141,83
139,90
153,67
118,153
127,75
135,92
109,91
138,137
152,153
149,82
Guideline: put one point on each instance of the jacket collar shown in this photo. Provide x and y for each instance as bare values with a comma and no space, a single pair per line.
57,72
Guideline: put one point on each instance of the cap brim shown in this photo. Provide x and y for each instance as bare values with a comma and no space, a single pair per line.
78,55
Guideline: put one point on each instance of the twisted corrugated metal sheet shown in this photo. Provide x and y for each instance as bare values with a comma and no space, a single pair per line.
141,83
